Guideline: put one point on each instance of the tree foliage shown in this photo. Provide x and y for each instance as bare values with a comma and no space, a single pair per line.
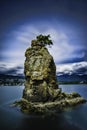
44,40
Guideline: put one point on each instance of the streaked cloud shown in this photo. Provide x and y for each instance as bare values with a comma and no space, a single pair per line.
66,22
11,68
63,49
72,68
67,56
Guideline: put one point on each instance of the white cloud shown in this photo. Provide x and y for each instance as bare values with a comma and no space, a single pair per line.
11,68
71,67
8,65
62,49
60,69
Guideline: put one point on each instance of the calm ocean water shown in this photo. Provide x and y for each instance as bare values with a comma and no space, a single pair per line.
13,119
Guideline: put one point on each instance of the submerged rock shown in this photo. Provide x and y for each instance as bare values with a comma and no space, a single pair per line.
41,94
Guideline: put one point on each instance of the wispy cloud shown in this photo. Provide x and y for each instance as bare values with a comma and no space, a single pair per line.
64,52
11,68
63,49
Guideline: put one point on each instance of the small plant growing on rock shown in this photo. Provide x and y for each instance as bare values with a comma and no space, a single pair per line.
42,40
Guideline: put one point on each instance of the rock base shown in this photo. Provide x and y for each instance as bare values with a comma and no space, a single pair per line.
50,107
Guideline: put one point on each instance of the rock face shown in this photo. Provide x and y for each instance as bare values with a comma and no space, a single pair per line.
41,94
40,73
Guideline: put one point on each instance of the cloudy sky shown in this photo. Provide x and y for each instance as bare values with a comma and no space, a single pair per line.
65,21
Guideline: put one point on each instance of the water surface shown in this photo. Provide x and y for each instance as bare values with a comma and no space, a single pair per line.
13,119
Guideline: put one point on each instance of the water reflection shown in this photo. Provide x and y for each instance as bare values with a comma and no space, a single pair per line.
58,123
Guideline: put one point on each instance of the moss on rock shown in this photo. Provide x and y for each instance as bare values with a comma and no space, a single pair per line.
40,74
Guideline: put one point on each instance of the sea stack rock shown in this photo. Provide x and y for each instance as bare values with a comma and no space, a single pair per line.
40,74
42,94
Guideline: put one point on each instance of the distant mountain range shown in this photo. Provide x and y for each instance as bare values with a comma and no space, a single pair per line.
19,79
5,76
72,78
11,80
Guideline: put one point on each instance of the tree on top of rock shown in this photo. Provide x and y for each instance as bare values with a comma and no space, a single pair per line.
44,40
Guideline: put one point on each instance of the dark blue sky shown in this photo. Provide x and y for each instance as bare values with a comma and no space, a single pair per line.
64,20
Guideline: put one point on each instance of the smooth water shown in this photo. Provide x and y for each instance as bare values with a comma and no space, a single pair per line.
12,119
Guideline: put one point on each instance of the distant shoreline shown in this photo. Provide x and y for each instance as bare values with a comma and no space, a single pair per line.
72,83
60,83
9,80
